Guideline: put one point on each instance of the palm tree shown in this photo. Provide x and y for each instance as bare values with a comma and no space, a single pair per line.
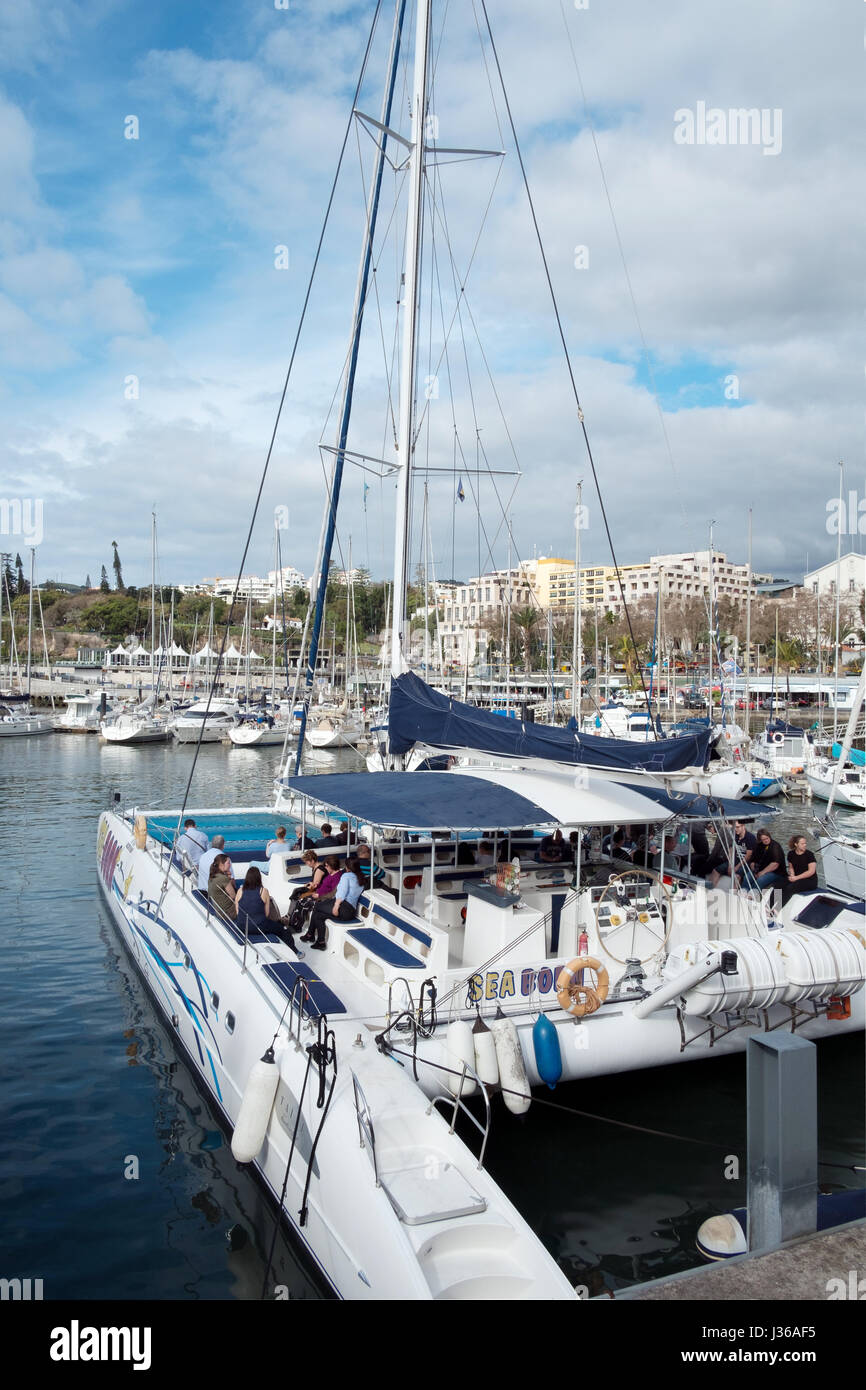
526,622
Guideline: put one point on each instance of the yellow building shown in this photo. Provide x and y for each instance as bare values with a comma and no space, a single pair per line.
555,578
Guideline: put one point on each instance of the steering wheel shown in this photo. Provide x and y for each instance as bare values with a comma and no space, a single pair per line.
620,919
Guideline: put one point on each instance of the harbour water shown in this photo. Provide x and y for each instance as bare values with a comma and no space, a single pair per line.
116,1181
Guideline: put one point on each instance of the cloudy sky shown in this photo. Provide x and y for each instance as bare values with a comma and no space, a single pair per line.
147,315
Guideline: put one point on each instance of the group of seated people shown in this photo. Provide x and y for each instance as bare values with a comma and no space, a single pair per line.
750,860
326,838
333,890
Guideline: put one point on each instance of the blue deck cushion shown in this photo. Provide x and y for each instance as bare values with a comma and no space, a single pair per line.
387,950
232,926
408,927
320,999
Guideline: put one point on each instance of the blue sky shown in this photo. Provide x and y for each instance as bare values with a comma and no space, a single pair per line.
153,259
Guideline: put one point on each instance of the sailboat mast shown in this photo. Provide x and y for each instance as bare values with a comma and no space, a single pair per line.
30,619
329,522
748,621
277,583
838,587
153,602
712,622
576,646
399,641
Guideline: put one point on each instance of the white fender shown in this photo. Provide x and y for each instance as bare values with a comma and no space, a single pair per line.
485,1053
256,1106
459,1048
512,1072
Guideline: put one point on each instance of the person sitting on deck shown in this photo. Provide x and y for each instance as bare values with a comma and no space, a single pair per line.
342,835
324,893
768,867
344,906
221,887
328,838
742,851
553,848
256,910
207,859
278,846
192,842
465,853
372,874
617,846
485,858
802,869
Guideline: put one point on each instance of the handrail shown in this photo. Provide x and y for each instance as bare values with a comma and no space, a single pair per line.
365,1125
468,1073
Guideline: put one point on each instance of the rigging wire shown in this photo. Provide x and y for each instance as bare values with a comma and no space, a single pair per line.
284,393
564,343
646,352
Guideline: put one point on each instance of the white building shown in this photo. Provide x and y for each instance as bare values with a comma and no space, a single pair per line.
682,576
852,577
475,612
286,579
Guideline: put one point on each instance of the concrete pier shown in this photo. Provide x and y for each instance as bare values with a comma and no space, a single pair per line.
817,1268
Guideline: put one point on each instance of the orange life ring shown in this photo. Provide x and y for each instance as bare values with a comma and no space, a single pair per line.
577,999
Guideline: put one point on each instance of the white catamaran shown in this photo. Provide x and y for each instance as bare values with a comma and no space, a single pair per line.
478,965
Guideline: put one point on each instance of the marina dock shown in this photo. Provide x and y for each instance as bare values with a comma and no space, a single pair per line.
811,1269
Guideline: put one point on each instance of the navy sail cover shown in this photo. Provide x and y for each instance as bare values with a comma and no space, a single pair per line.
418,714
421,800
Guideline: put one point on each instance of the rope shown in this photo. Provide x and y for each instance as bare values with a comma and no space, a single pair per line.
568,1109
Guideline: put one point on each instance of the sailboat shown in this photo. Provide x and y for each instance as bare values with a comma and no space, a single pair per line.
17,719
141,724
342,1073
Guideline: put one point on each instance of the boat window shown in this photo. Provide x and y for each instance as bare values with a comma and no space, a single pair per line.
230,1022
214,1000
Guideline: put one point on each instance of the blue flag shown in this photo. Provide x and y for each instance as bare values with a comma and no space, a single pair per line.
460,493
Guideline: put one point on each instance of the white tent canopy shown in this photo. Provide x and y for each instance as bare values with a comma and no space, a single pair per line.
233,654
175,650
206,654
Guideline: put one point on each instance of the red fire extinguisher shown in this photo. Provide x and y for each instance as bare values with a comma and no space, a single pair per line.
582,948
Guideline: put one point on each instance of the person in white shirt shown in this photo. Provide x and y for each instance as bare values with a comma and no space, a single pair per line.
192,842
217,848
278,846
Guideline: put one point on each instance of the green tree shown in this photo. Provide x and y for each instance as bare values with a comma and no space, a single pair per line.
87,583
103,581
115,616
21,585
118,572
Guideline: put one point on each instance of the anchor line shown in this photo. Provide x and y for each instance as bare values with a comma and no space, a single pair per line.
566,1109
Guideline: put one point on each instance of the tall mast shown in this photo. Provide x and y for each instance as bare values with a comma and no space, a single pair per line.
277,582
508,628
838,587
153,605
712,622
329,522
577,643
748,620
30,619
399,643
